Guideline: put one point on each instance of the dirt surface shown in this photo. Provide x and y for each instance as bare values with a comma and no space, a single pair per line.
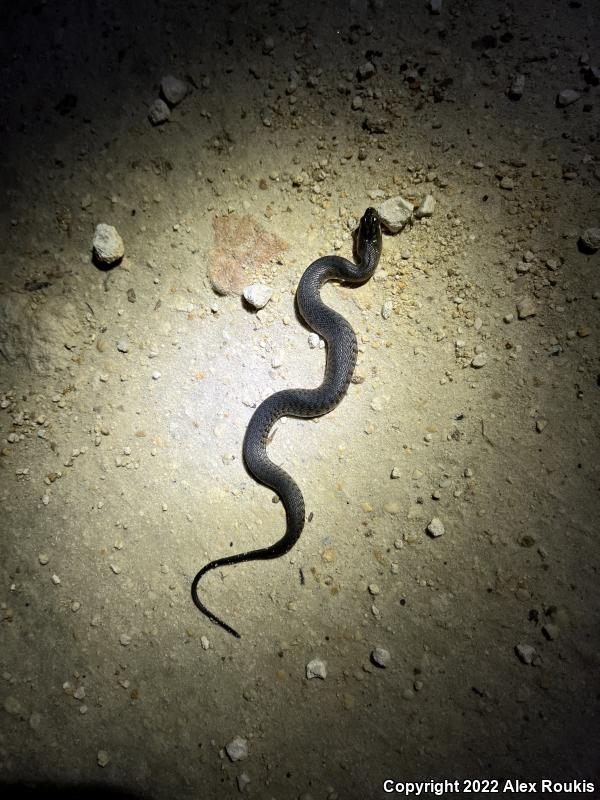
125,394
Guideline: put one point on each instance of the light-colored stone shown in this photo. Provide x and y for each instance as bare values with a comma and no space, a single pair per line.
108,244
426,208
525,653
436,528
237,749
258,295
395,213
316,668
381,657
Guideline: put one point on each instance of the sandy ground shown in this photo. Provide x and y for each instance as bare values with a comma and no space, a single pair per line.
125,394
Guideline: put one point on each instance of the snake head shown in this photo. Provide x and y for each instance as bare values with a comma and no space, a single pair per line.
369,228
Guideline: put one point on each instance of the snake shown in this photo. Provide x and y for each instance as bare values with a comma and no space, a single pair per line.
341,355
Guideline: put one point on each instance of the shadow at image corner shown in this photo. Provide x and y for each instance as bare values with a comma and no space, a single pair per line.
71,791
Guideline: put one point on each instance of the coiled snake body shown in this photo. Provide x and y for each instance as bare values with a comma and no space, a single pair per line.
341,360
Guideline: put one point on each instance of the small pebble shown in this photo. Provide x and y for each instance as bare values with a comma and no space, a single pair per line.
237,749
479,361
107,244
436,527
173,89
102,758
316,669
380,657
258,295
159,112
566,97
517,87
426,208
550,631
589,241
525,653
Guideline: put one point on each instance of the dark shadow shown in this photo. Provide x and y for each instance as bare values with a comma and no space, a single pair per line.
90,791
102,265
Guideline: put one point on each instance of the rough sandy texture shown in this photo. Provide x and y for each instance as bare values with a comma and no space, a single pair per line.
126,392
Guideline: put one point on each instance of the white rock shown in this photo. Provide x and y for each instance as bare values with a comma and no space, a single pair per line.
159,112
237,749
386,309
395,213
436,528
381,657
173,89
479,361
102,758
108,244
313,340
426,208
566,97
316,669
258,295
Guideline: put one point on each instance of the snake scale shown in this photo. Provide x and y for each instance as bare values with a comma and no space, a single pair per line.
341,360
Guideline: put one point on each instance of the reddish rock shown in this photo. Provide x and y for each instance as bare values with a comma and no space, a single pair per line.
241,247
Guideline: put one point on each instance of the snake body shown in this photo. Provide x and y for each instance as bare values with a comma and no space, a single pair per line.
341,360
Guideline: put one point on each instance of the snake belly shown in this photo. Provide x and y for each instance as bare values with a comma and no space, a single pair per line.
341,359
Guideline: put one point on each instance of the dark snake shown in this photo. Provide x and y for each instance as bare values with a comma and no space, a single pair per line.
341,359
